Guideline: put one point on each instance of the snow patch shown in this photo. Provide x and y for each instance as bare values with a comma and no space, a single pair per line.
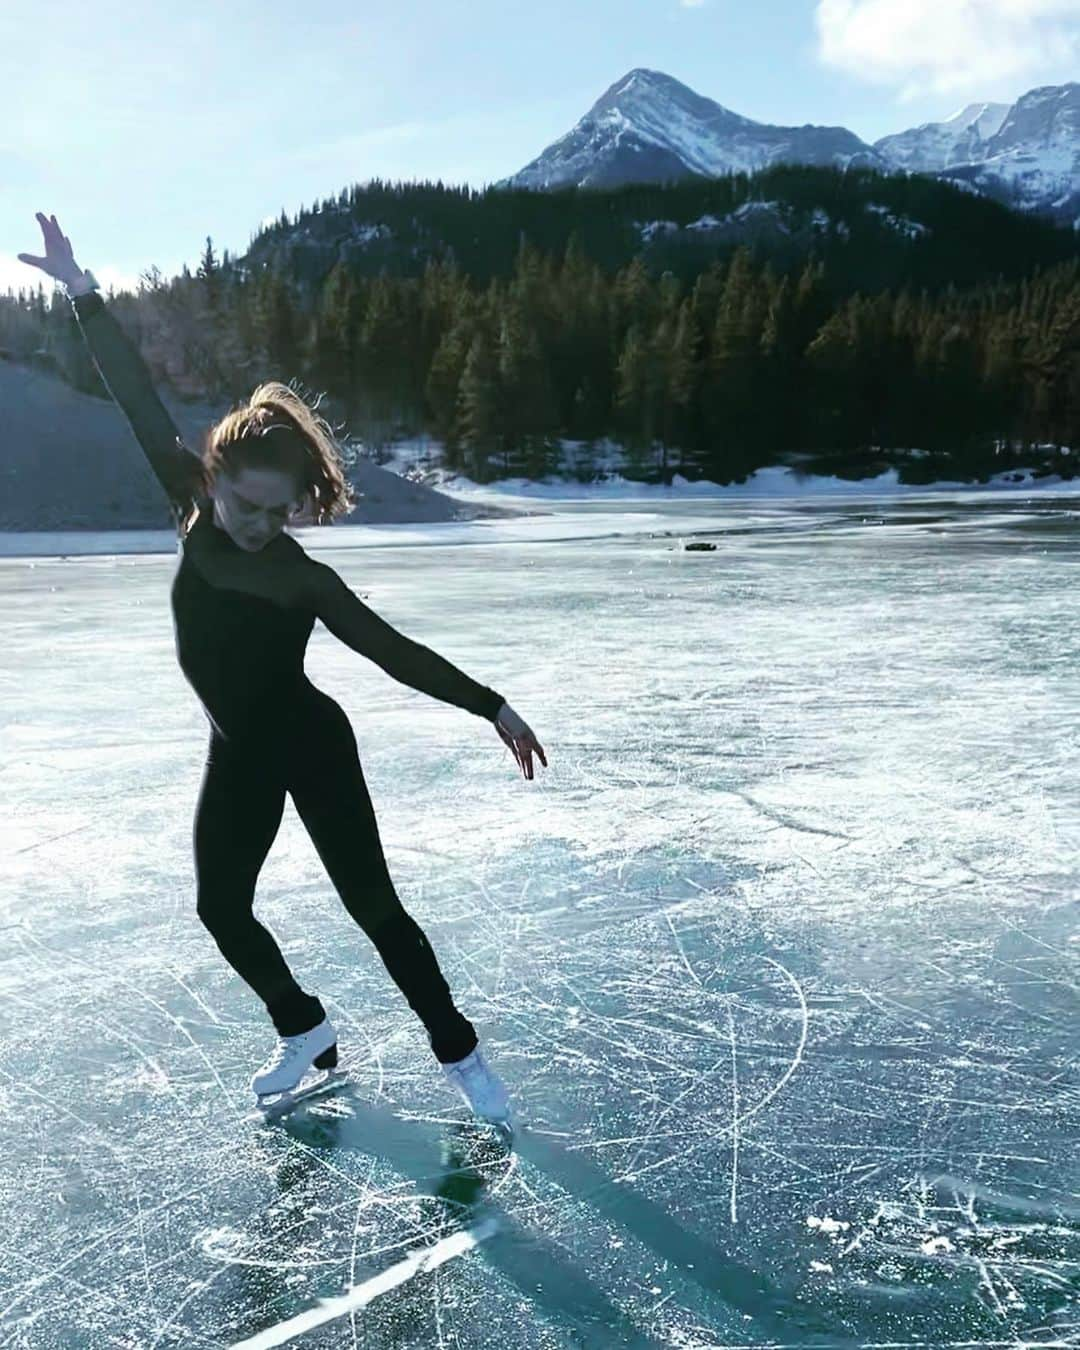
655,227
739,216
369,234
914,229
421,459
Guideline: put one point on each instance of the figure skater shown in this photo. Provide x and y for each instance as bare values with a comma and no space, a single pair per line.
245,597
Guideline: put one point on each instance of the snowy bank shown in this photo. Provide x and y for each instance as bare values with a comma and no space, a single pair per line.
777,481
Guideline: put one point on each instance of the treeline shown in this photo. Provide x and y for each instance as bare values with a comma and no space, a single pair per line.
397,228
712,376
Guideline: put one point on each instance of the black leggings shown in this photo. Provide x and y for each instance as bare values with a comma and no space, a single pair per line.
310,753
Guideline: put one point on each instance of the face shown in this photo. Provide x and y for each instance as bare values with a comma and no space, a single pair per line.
253,505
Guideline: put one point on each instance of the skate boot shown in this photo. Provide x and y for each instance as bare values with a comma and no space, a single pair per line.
291,1059
484,1091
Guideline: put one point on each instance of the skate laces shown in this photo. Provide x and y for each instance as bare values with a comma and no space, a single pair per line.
476,1077
483,1089
285,1049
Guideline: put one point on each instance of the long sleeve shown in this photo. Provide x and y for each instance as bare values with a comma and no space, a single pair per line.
421,668
127,379
411,663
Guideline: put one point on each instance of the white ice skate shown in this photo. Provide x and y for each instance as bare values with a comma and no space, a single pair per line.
279,1079
484,1091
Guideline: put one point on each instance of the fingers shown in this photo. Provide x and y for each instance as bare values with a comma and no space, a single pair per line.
519,760
29,257
522,747
525,757
51,231
509,740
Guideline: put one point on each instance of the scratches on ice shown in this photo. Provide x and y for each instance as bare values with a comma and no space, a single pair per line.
779,959
329,1309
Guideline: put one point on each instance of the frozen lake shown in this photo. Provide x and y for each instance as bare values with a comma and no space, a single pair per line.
779,958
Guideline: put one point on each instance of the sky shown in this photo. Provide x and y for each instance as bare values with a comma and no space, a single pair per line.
145,131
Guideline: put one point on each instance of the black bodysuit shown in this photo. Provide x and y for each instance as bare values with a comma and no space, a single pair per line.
242,654
271,732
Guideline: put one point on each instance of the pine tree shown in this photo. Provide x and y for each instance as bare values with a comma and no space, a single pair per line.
525,403
443,385
831,360
636,414
681,383
478,404
733,370
388,382
779,413
277,325
1052,358
209,274
334,337
632,300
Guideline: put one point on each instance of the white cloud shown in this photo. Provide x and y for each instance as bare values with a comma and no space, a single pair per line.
118,277
692,4
949,46
16,275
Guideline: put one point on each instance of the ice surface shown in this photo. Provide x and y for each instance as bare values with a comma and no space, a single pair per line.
778,957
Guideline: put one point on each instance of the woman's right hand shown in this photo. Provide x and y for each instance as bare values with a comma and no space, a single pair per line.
59,261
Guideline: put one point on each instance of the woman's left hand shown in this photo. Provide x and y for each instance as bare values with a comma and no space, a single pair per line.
519,737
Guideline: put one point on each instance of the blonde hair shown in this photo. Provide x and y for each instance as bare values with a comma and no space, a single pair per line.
303,444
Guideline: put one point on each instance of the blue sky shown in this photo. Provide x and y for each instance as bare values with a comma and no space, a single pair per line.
146,131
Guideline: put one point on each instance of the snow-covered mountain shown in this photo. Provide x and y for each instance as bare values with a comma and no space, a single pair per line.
960,139
648,127
1032,158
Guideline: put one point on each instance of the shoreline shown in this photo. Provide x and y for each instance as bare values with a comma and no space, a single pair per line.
767,488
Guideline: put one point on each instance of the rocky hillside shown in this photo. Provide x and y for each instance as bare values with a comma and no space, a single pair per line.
69,461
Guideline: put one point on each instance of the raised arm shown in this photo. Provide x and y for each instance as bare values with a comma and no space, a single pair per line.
123,371
360,628
128,380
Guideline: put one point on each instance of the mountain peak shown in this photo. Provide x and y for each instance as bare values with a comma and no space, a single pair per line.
644,91
986,118
650,127
647,76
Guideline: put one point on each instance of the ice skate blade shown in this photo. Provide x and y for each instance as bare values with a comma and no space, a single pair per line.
503,1125
274,1103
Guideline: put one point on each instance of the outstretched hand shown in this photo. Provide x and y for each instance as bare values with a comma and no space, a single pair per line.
519,737
59,260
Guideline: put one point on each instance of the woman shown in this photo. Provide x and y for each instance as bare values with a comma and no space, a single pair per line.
245,598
